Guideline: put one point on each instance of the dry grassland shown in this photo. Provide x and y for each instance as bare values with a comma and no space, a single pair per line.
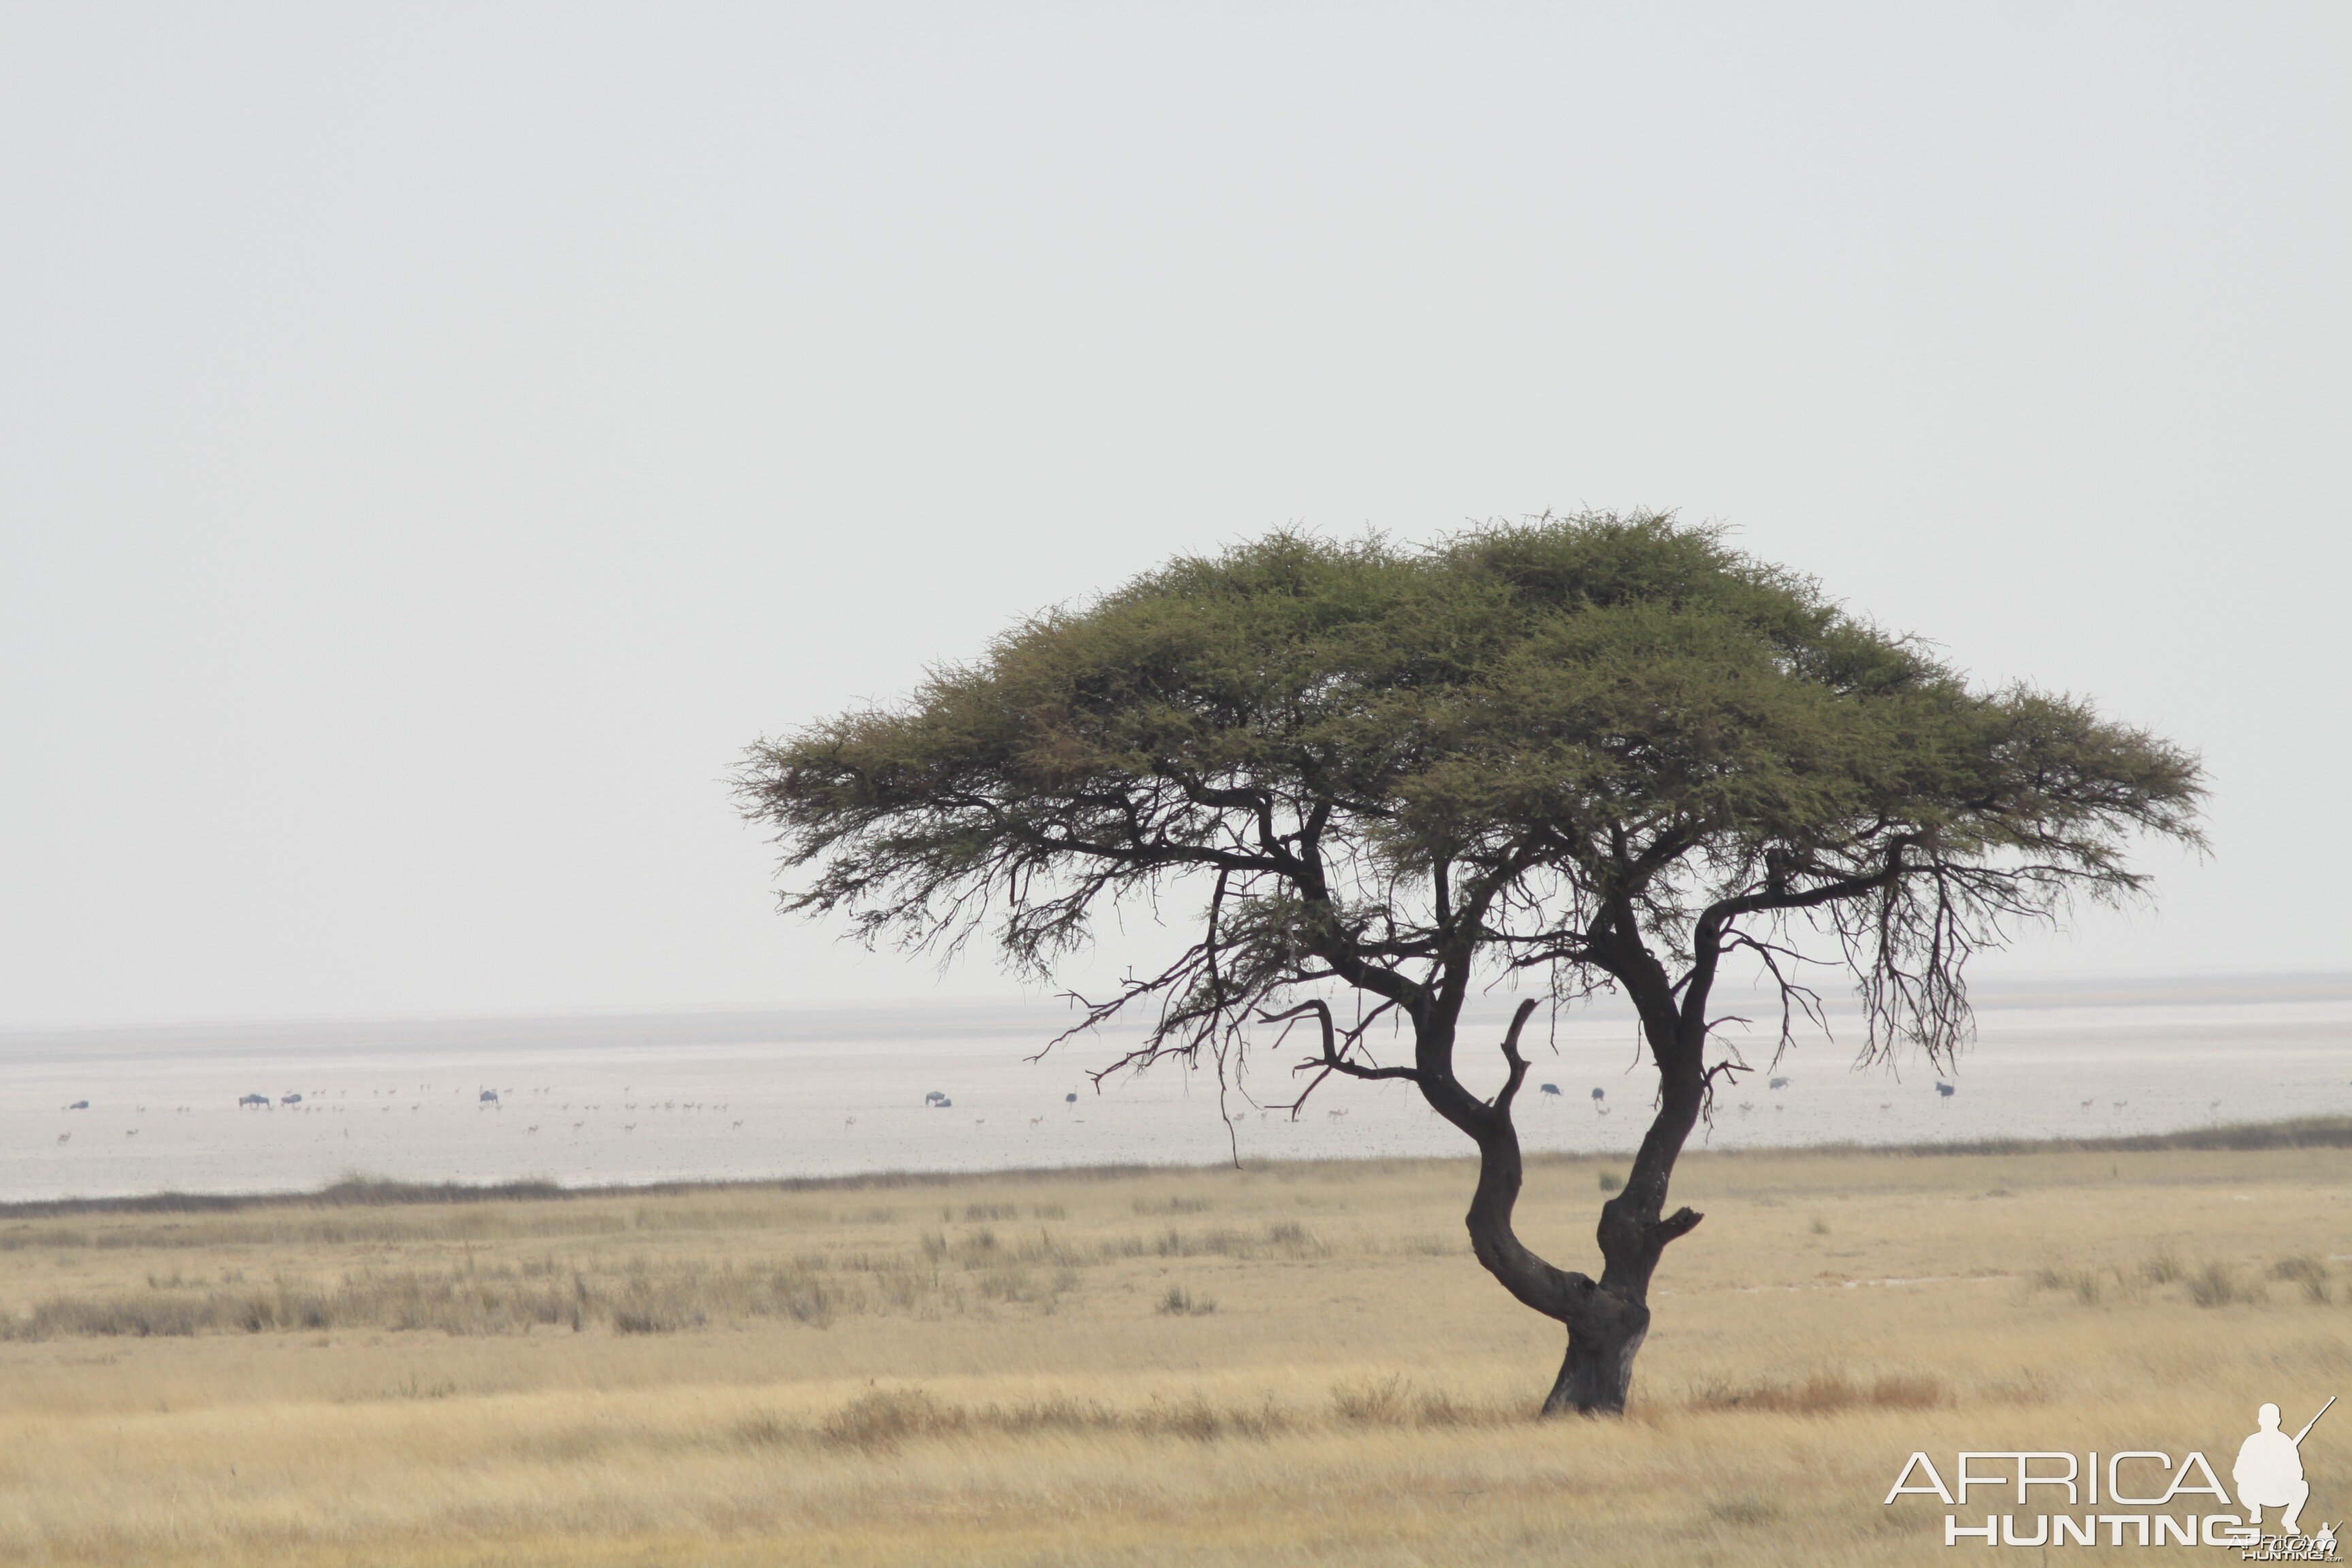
1283,1365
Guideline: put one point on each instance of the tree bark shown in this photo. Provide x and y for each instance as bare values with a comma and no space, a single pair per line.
1598,1373
1607,1319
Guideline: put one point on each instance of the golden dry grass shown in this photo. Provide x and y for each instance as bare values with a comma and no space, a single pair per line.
1291,1365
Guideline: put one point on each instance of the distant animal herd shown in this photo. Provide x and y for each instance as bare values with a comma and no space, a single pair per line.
938,1100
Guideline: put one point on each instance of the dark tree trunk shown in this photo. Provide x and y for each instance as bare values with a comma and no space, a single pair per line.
1607,1319
1598,1373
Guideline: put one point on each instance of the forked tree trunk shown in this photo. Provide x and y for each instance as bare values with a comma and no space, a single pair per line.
1607,1319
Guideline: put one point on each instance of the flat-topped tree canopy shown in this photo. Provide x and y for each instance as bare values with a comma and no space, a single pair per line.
1605,751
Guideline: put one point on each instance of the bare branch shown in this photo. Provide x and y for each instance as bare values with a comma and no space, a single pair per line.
1336,1046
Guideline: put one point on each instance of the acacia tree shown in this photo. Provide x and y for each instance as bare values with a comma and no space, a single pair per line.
1590,752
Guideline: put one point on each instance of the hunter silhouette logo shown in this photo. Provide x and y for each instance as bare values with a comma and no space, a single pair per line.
2268,1475
2269,1471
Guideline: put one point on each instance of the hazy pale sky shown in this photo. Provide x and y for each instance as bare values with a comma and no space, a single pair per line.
433,441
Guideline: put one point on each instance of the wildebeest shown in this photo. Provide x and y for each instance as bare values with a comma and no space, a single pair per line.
79,1105
489,1097
261,1099
290,1099
935,1098
1778,1083
1069,1099
1946,1090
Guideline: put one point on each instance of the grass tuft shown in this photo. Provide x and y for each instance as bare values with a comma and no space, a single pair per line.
1179,1302
1821,1393
2087,1285
1744,1511
2308,1272
882,1421
1393,1402
2217,1285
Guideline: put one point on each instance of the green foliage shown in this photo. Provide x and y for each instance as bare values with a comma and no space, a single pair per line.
1583,746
